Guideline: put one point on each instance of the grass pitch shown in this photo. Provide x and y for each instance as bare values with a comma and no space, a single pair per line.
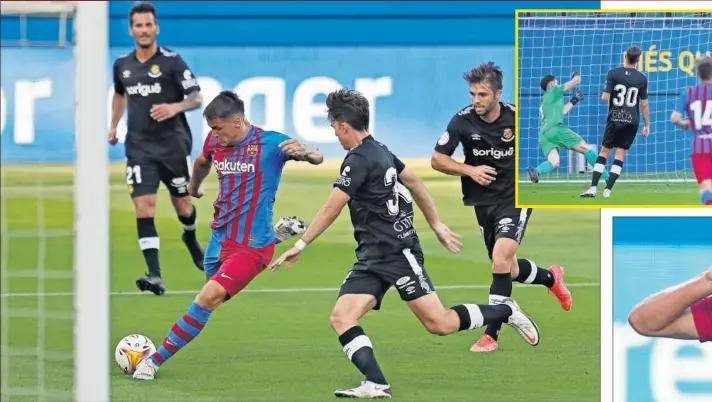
273,342
659,194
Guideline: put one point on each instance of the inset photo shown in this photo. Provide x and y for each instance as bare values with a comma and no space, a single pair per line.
614,109
660,338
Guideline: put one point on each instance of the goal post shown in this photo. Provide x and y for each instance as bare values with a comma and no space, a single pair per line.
54,223
91,205
591,43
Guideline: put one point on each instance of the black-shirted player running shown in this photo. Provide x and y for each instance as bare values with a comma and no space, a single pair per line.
486,130
157,87
625,90
379,190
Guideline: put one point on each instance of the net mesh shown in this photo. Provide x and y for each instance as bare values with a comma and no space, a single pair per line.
593,43
36,235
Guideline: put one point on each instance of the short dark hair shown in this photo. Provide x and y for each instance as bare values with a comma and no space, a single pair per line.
633,54
545,81
348,106
704,68
486,72
142,8
226,104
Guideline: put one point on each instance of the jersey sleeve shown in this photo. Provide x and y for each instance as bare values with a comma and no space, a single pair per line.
278,139
118,85
208,146
608,86
354,171
643,94
450,139
398,163
681,104
183,77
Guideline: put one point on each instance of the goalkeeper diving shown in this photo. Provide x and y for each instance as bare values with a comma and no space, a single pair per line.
553,134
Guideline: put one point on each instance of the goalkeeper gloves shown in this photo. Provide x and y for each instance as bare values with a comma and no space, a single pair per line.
574,74
576,97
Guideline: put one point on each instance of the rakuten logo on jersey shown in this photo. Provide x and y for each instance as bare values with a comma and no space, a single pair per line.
144,90
230,167
495,153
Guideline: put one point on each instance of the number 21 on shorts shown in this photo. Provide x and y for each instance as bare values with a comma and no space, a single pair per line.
133,175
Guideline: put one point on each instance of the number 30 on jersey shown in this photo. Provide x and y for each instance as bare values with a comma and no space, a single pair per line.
399,191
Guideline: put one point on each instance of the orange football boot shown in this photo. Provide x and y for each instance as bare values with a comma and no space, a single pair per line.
559,289
485,344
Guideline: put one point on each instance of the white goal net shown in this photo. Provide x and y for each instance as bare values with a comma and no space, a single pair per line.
592,43
54,203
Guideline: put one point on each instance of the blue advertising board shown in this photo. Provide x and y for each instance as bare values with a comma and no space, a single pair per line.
413,91
407,56
651,254
594,43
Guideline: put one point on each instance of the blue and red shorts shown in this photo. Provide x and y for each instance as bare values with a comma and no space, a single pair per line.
702,166
234,265
702,314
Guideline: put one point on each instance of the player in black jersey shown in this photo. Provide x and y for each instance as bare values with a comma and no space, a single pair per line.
486,130
157,88
379,190
625,90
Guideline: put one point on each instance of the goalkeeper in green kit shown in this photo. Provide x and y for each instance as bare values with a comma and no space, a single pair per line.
553,134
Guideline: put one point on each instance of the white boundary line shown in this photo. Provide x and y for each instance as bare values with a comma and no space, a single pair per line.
284,290
610,363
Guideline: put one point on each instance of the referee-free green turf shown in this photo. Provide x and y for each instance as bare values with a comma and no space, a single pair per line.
627,194
273,342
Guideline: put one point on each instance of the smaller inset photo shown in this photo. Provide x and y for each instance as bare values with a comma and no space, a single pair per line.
662,306
614,109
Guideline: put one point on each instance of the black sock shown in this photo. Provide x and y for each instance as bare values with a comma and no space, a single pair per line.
359,350
539,277
149,243
188,223
473,316
615,173
501,288
598,169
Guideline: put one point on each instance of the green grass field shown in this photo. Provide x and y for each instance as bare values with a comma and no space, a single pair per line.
624,194
273,342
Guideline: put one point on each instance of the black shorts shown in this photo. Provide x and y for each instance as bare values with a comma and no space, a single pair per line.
619,136
502,221
144,175
374,277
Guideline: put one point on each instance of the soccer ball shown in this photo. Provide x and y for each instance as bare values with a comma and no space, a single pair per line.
131,350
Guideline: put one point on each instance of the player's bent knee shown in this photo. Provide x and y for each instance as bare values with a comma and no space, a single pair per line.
211,296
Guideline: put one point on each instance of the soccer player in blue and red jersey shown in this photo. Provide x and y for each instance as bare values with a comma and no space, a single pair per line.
249,163
696,104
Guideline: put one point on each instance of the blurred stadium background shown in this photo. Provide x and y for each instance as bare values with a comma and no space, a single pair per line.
651,254
273,342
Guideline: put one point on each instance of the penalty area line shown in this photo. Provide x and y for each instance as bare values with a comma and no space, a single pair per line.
284,290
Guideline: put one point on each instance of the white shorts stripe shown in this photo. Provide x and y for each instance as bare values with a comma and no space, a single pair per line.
357,343
522,223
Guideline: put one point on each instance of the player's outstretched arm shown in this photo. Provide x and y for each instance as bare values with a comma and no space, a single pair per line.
326,215
667,314
575,80
201,169
425,202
